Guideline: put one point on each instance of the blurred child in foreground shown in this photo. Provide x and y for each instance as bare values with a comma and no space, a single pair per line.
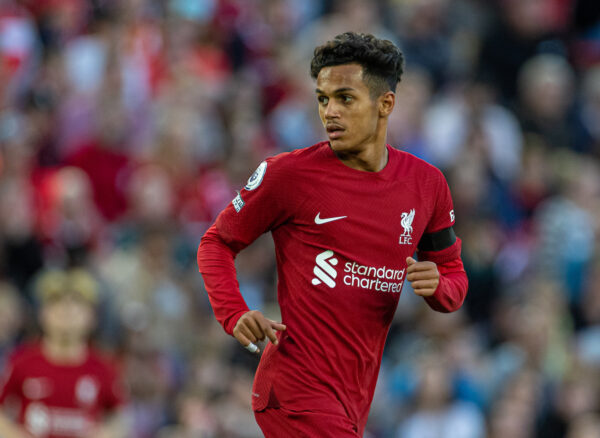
60,387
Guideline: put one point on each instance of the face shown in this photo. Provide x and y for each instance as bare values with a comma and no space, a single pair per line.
68,318
352,118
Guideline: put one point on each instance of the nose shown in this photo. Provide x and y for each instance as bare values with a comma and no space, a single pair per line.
331,110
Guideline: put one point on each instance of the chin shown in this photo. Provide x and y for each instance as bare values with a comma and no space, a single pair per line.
339,145
342,147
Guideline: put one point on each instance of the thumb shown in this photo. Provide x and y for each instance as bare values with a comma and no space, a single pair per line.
410,261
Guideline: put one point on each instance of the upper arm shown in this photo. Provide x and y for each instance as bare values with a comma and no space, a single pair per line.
9,384
439,242
260,206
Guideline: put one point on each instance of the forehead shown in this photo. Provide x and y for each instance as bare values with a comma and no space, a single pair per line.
341,76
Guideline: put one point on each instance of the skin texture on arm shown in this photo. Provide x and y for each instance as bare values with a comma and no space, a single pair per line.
10,429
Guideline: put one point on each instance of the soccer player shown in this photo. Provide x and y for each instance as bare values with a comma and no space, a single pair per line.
60,387
346,216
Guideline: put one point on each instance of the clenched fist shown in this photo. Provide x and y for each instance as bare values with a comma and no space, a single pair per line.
423,276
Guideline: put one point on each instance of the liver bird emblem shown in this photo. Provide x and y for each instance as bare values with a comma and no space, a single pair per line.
406,222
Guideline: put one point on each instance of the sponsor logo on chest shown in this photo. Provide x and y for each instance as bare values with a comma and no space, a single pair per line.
86,390
375,278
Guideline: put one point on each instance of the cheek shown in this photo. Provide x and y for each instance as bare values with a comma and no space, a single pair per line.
82,316
365,120
322,114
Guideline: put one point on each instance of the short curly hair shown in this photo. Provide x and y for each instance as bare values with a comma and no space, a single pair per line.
381,60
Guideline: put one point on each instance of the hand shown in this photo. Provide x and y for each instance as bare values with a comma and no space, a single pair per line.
253,327
423,276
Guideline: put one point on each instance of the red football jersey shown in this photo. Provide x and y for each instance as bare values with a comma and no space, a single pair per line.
60,401
341,237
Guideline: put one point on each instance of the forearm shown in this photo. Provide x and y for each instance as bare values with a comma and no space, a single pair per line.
115,426
216,264
10,429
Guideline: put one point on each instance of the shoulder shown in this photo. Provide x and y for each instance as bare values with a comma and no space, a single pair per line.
101,361
298,156
287,164
25,353
412,166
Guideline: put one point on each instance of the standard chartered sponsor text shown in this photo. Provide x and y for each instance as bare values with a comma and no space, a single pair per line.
381,279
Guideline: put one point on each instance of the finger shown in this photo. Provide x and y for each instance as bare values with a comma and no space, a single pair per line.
252,348
277,325
255,327
244,330
271,335
410,261
265,326
421,266
424,284
242,339
422,275
424,292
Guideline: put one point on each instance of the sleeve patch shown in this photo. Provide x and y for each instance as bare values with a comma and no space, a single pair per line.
238,203
257,177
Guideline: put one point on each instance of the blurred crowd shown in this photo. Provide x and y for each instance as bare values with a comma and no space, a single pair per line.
127,125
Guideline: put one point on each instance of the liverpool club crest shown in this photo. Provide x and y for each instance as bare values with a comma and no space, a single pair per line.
406,222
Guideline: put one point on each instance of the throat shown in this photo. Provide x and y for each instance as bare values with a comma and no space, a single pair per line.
366,161
58,351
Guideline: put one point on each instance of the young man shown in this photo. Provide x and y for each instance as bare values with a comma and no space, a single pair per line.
346,216
60,387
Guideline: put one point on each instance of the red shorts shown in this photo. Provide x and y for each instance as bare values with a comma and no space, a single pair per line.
283,423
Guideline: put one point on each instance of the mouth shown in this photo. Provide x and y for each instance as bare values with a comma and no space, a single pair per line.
334,131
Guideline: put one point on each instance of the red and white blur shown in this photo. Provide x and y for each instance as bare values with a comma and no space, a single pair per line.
126,126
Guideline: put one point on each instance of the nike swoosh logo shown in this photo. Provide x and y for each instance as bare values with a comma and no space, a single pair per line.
320,221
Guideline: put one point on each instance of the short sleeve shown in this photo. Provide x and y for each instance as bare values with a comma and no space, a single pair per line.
114,392
9,382
260,206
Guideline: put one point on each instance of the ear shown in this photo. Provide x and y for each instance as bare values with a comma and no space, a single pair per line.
386,103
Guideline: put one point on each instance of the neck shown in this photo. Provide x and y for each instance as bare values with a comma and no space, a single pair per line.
368,160
372,156
64,350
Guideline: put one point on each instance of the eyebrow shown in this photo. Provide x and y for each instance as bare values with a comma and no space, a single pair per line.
339,90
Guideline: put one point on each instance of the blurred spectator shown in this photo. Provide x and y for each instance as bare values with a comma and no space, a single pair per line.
60,387
12,317
590,111
523,30
126,126
576,397
476,125
436,415
546,103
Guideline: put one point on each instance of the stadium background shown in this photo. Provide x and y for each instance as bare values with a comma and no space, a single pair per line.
126,126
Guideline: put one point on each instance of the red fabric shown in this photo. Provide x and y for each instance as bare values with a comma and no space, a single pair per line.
452,290
339,281
219,273
282,423
60,401
108,170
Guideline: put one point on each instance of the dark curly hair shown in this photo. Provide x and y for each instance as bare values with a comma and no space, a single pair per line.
381,60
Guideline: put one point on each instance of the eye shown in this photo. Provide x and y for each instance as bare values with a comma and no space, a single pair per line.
323,100
346,98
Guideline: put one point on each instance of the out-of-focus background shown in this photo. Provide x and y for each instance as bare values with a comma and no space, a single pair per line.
127,125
